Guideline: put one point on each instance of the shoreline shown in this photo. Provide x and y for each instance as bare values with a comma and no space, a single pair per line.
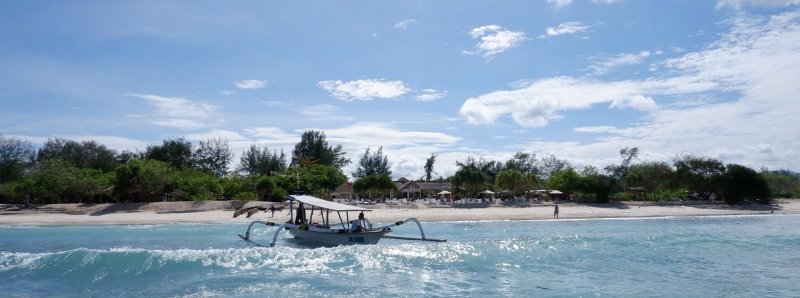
222,212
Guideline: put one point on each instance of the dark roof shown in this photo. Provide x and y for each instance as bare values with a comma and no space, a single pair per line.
346,187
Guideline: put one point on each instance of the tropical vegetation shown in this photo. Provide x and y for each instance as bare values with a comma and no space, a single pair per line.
69,171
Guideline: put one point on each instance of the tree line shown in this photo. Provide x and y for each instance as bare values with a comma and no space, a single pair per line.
68,171
688,176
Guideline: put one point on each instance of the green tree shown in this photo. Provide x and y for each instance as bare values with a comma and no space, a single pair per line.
655,176
740,183
489,169
565,180
213,156
374,183
515,181
429,166
550,165
696,173
468,178
783,183
596,186
15,156
177,153
142,179
51,180
196,184
87,154
627,155
265,187
372,164
315,179
314,148
255,161
523,163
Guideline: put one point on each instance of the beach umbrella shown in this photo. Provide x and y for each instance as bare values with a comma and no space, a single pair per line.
444,192
488,192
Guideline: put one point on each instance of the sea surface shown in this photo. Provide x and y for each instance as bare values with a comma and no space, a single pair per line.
732,256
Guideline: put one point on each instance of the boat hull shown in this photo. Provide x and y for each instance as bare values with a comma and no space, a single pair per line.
330,237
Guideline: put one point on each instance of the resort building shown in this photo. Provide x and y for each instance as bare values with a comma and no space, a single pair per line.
406,189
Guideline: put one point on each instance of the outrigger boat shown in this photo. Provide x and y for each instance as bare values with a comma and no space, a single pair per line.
318,227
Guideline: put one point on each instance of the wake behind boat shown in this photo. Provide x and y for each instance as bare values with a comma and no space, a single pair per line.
311,222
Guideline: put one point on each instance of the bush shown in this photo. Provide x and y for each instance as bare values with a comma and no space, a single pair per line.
246,196
10,193
198,185
206,196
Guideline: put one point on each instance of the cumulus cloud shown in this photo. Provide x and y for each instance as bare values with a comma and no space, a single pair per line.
564,29
494,40
176,111
404,24
430,94
250,84
364,89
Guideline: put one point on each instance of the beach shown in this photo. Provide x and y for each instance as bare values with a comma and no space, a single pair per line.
222,212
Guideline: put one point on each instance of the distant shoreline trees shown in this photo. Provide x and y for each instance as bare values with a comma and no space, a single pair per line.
64,171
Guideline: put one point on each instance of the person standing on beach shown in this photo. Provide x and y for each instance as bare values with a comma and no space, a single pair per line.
555,212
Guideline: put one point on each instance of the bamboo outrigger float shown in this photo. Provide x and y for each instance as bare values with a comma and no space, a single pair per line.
326,232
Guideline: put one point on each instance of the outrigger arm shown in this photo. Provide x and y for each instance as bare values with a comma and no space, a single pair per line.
246,236
419,225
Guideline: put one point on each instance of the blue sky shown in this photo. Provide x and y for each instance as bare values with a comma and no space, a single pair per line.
577,79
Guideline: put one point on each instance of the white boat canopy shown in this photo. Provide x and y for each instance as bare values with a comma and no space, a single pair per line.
317,202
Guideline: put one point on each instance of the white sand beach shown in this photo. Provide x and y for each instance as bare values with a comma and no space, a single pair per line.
222,212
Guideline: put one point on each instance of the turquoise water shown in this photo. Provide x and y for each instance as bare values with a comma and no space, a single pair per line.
739,256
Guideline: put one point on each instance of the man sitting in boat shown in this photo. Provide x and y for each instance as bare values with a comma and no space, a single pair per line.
358,224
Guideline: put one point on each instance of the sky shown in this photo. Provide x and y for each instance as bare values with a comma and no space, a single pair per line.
576,79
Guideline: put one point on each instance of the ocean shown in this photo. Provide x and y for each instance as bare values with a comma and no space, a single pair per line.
730,256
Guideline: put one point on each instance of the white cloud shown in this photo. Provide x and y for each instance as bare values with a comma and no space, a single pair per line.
230,136
595,129
406,149
227,92
250,84
271,136
560,3
757,61
180,123
405,23
177,112
494,40
637,102
323,112
566,28
364,89
539,103
430,94
617,61
739,4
